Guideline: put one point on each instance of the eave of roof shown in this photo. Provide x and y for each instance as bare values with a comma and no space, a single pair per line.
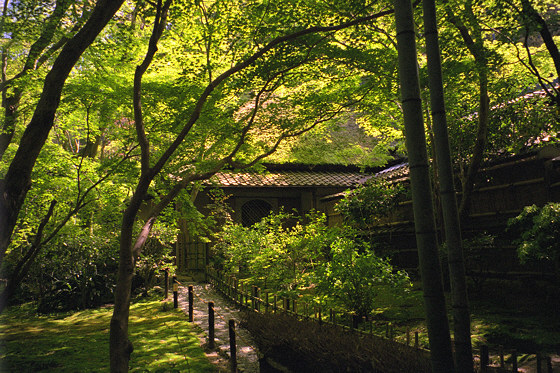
289,179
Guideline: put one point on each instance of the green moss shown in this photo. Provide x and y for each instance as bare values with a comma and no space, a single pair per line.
79,342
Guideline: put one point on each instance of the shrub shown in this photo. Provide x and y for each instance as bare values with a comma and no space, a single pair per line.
370,202
354,274
538,230
341,267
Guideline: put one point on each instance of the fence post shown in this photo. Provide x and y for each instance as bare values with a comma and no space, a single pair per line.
514,361
266,305
232,346
416,340
253,296
387,327
539,363
191,306
211,329
549,364
484,358
241,293
175,292
275,308
166,282
502,359
294,307
408,336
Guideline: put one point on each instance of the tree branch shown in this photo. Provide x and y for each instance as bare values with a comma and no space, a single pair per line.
242,65
159,25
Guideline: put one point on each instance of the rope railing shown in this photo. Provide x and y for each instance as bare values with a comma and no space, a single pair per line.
236,290
248,297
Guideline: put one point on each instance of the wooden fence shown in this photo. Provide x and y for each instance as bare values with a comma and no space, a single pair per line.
249,297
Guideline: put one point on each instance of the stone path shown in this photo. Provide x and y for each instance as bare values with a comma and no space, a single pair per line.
247,358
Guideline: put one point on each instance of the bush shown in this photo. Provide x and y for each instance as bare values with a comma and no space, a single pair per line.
369,203
354,275
279,248
538,230
86,284
331,263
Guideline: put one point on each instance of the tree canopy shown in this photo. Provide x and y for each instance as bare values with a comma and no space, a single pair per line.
113,109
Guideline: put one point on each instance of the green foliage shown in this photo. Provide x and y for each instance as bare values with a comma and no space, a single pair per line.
154,258
284,254
279,248
538,229
370,202
77,271
354,274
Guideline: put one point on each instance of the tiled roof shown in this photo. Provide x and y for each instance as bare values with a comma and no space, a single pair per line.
289,179
394,172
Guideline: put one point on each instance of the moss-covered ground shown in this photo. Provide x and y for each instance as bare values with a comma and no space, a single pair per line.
163,339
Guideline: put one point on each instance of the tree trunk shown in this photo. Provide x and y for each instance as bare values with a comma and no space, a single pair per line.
461,315
120,347
430,269
532,15
475,45
11,105
17,181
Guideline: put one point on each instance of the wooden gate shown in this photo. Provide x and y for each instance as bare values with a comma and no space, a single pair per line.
191,255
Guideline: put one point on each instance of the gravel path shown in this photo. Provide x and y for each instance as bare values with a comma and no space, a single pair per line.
247,358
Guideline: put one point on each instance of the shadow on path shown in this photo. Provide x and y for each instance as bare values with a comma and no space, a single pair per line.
247,358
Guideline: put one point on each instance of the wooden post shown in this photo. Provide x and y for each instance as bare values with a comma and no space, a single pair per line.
502,359
275,308
166,282
416,340
549,364
254,297
191,304
294,306
484,358
387,330
514,361
539,363
175,292
266,305
211,329
408,336
331,315
232,346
